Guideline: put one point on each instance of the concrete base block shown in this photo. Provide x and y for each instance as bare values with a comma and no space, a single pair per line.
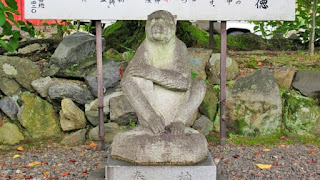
120,170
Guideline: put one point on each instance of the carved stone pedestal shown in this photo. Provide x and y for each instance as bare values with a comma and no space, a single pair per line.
140,146
120,170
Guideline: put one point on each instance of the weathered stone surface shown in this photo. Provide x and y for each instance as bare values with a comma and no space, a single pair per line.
203,125
21,70
78,70
307,82
10,134
214,70
199,58
93,117
32,48
316,128
159,87
142,146
121,111
71,116
254,104
9,107
284,76
158,81
74,90
42,85
78,137
300,114
73,49
111,76
110,130
91,109
9,86
38,117
93,106
209,105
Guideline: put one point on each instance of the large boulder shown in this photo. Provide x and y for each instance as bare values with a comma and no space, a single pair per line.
78,137
284,76
92,111
71,116
214,70
110,130
111,76
300,114
73,49
199,58
75,90
23,71
307,82
121,111
38,117
10,134
254,104
10,107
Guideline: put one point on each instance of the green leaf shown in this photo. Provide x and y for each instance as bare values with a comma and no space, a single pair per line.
16,34
3,44
1,6
29,30
2,19
14,43
12,4
21,22
11,18
7,28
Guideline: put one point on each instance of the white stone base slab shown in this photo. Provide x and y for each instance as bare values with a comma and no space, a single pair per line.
120,170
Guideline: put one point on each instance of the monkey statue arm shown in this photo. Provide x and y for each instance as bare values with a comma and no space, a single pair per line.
167,78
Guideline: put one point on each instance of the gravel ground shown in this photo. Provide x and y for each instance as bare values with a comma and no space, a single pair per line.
234,162
56,162
288,162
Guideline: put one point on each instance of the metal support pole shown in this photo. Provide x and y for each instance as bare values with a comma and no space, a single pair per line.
223,81
211,39
100,83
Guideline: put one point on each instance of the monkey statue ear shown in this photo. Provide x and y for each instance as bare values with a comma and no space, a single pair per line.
175,19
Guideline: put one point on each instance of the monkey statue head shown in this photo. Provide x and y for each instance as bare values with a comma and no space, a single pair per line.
160,27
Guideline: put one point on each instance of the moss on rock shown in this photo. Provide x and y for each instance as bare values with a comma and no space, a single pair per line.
10,134
209,105
128,35
38,117
300,113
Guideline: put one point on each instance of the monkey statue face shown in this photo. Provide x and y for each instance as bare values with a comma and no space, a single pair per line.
160,27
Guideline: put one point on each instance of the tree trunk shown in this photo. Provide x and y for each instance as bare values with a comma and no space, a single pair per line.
313,25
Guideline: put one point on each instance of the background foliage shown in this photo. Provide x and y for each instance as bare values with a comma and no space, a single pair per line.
301,26
11,40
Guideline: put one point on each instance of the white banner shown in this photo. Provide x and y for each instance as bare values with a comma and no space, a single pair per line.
223,10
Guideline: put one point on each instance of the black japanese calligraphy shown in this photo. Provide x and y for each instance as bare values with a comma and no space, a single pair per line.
237,2
138,176
37,4
262,4
212,3
185,176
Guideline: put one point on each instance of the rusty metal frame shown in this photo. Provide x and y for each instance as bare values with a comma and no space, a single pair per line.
223,82
100,83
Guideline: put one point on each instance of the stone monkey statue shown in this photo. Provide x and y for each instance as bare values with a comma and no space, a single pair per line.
158,80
